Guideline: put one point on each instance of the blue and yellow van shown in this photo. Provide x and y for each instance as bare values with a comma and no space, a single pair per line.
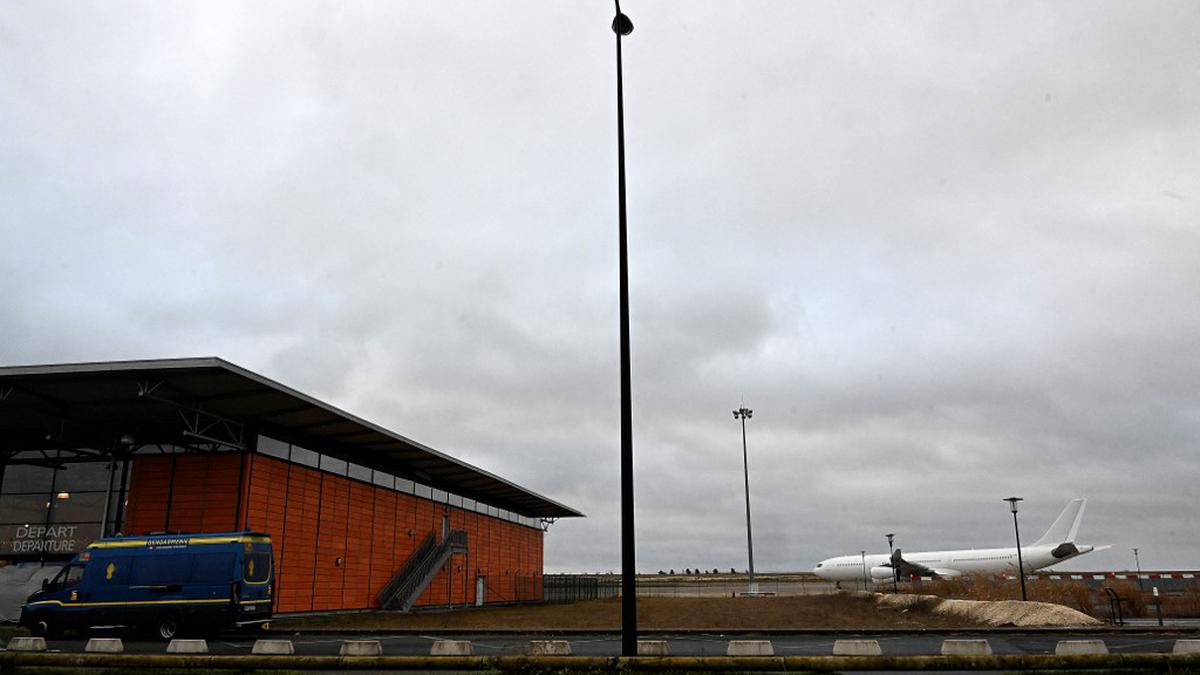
163,583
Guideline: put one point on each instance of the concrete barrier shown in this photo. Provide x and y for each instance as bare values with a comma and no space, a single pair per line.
452,648
1078,647
549,648
1186,647
27,644
361,648
13,662
966,648
105,645
856,648
653,648
273,647
187,647
750,648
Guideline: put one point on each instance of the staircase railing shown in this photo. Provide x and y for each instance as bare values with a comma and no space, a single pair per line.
407,584
387,596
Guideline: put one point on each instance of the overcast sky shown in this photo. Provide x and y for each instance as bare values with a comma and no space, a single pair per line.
946,251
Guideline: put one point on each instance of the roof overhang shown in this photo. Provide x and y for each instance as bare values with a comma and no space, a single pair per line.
91,407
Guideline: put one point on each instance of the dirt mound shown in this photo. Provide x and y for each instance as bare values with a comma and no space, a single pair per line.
991,613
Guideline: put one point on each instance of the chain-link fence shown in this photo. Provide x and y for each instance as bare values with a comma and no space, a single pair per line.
571,587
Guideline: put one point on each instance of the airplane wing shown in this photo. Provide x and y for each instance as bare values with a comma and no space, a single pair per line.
938,572
908,569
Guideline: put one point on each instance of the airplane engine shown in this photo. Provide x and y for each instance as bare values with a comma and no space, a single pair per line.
881,573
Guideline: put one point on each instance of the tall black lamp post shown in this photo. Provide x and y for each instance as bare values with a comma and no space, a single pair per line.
891,552
1012,504
1137,561
622,26
743,413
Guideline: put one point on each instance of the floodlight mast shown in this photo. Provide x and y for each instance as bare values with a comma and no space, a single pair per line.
622,26
743,413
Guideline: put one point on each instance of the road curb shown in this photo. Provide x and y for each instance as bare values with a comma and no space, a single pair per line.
11,661
998,630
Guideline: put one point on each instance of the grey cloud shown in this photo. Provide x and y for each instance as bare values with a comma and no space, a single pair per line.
946,252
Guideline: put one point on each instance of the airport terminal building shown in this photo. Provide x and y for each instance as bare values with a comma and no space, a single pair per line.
360,517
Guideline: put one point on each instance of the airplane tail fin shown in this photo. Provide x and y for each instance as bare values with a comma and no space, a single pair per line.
1065,526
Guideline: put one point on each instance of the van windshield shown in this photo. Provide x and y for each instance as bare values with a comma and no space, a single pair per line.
69,576
257,567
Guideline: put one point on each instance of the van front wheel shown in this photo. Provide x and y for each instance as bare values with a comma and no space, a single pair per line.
166,627
41,627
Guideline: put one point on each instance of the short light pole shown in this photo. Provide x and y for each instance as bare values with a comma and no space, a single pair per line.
1012,504
743,413
1138,563
892,552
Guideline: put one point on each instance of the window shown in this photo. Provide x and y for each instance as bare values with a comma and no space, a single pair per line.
81,476
272,447
359,472
23,478
44,510
305,456
23,509
382,479
257,567
77,507
69,576
333,465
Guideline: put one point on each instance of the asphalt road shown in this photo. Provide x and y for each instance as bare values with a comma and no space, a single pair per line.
680,644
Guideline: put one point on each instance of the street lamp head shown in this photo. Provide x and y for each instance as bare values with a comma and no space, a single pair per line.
1012,502
621,25
890,536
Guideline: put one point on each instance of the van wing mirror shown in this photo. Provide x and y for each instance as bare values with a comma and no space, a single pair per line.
45,584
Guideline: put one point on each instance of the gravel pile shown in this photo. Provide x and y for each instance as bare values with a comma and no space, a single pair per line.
991,613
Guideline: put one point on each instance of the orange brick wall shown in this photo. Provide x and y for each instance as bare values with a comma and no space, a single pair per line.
316,518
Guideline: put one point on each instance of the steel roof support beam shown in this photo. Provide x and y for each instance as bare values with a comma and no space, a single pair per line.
199,424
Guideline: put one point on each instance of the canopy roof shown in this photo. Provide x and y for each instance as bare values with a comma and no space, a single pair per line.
92,410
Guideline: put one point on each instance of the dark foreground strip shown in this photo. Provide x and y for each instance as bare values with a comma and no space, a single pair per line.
11,662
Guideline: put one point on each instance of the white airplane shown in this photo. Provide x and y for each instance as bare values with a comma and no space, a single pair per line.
1055,546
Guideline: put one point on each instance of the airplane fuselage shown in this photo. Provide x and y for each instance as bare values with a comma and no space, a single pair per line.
946,563
1055,546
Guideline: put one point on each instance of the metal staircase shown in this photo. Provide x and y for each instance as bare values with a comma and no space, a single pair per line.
403,589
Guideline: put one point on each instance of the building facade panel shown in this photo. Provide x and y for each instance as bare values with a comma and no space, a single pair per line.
331,543
338,540
359,545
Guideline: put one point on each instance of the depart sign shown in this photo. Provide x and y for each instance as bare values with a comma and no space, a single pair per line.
44,539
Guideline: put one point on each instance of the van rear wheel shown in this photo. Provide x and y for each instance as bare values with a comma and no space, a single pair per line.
166,627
